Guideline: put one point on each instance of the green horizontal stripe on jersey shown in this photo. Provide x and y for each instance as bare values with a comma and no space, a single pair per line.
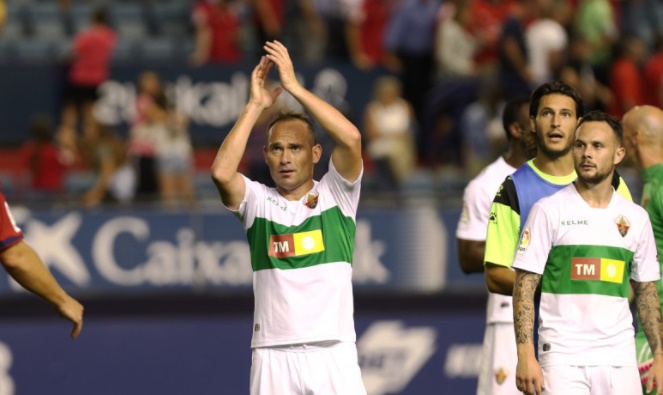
338,233
557,274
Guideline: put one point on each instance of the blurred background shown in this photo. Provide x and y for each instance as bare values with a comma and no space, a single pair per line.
111,114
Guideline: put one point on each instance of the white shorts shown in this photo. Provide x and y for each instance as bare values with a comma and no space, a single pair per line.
498,361
591,380
311,369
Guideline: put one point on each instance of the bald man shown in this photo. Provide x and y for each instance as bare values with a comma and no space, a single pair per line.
643,141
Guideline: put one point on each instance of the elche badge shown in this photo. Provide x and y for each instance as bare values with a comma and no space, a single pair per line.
623,225
311,200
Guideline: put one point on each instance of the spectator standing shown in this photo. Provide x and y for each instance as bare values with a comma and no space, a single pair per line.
44,160
174,153
654,75
579,73
390,127
106,154
218,32
455,45
546,42
595,21
89,67
366,30
409,44
626,80
487,20
141,145
514,73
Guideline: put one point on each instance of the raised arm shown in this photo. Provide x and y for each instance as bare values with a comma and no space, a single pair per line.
228,181
529,377
24,265
347,153
649,310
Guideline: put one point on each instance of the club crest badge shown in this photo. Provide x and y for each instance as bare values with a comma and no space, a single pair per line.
311,200
501,375
623,225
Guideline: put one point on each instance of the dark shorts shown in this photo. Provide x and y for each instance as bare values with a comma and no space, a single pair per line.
79,94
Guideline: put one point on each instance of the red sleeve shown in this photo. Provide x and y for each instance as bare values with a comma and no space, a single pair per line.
10,233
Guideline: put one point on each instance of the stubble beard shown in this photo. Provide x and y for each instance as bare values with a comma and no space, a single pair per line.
554,154
595,178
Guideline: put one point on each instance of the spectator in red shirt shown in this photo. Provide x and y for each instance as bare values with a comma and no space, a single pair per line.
654,76
217,26
43,159
626,80
365,33
487,19
90,60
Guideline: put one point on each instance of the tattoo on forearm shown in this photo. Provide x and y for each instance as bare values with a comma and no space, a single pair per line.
523,305
649,309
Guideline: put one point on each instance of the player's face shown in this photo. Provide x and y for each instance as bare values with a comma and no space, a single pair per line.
555,124
291,157
596,151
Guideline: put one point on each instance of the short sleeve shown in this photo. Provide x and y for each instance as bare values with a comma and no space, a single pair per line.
535,242
10,233
645,266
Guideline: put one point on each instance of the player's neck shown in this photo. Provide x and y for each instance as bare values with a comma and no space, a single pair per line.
515,157
296,193
557,167
596,195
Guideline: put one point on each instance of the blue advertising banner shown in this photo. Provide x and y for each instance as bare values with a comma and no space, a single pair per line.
400,354
101,252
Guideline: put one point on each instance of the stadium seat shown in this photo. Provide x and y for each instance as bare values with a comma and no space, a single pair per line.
124,51
80,16
129,21
154,49
14,28
34,50
172,18
45,21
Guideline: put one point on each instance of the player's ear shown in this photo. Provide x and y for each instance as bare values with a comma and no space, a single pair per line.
619,155
317,153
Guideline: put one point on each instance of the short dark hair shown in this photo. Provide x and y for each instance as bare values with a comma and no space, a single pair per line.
551,88
100,15
291,116
512,111
600,116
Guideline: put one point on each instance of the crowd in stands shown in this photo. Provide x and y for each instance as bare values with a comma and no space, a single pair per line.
449,66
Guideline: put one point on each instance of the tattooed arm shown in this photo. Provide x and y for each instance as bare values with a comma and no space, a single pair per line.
529,377
649,309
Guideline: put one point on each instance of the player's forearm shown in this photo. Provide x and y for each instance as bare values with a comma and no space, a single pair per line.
499,279
470,255
649,310
24,265
232,149
340,128
523,308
